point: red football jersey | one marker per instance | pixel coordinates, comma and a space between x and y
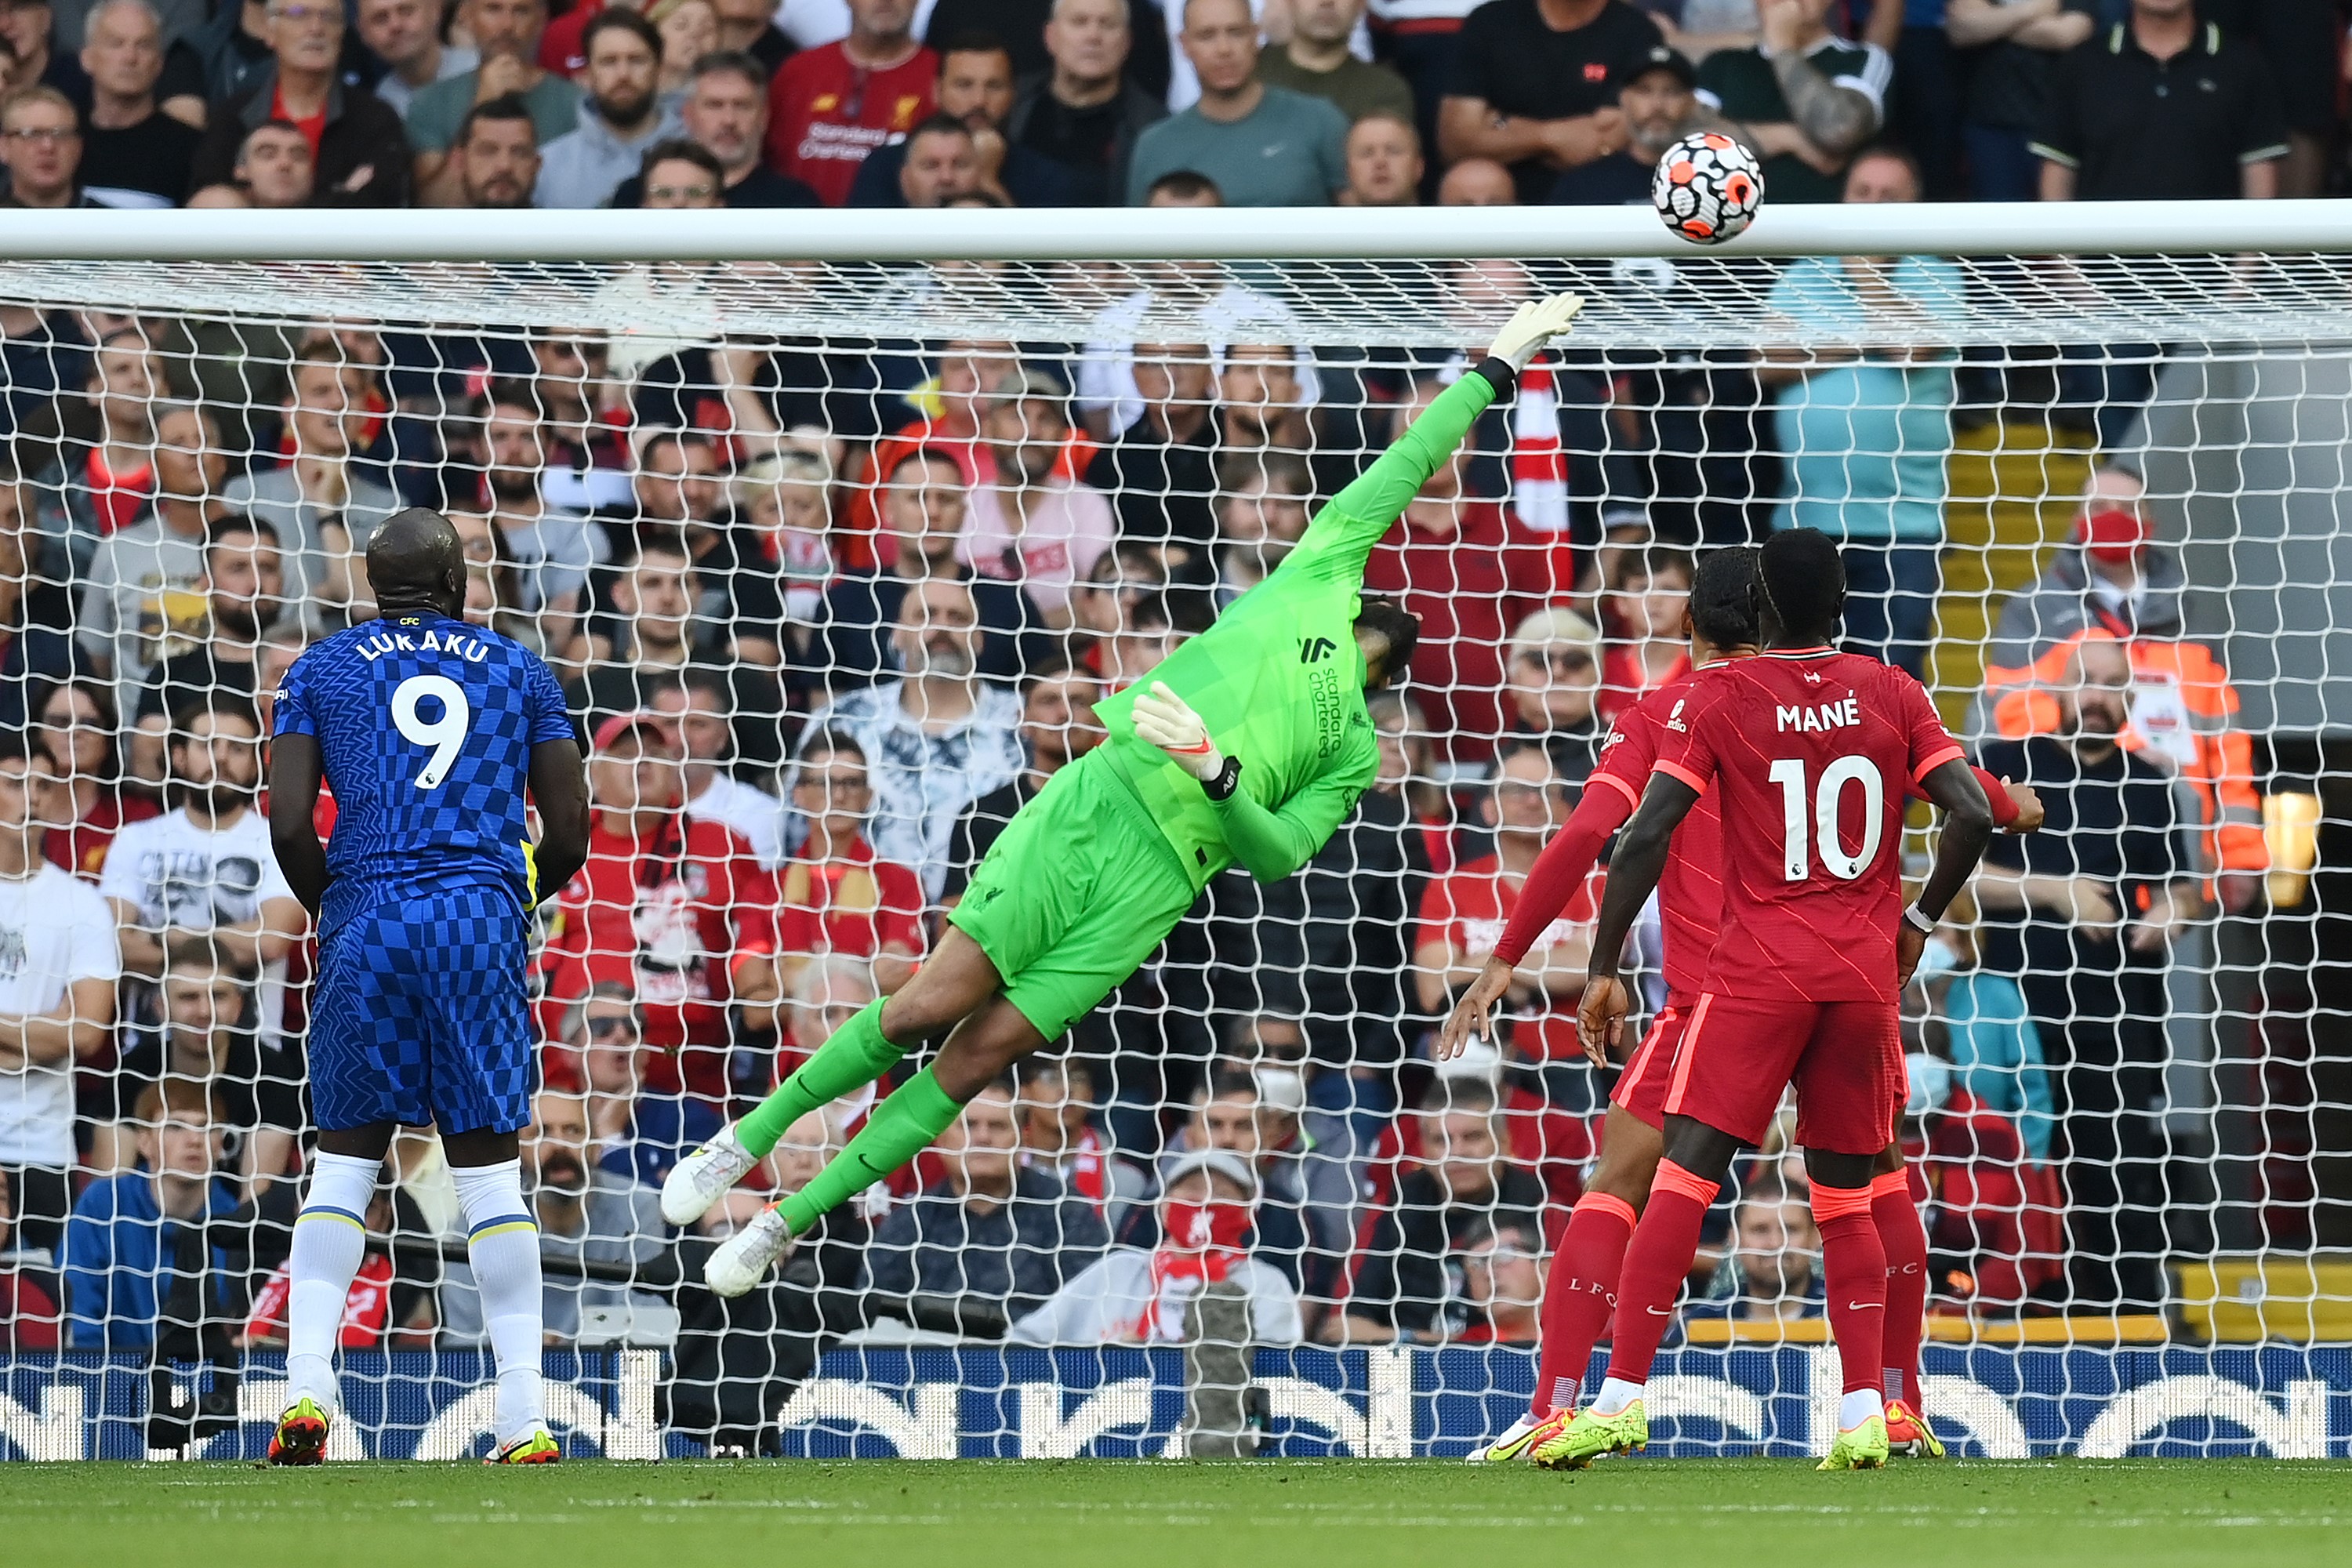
1690, 889
1811, 753
1469, 588
1468, 908
826, 112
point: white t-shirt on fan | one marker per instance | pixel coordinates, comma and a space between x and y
176, 874
54, 930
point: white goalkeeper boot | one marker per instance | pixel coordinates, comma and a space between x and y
743, 1259
705, 1176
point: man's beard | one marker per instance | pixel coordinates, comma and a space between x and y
502, 194
948, 661
620, 111
238, 622
1648, 145
514, 484
222, 796
1013, 467
561, 1172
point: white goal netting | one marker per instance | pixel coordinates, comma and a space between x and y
834, 559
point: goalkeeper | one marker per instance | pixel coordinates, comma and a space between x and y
1249, 744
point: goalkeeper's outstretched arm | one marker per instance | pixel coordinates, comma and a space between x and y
1346, 530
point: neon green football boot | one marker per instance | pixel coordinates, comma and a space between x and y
534, 1448
1518, 1439
1591, 1435
301, 1434
1862, 1448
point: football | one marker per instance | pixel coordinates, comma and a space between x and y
1707, 187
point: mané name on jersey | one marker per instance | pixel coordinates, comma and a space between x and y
1812, 753
426, 727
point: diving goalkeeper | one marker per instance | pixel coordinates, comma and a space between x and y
1249, 744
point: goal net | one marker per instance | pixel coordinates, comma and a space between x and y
834, 553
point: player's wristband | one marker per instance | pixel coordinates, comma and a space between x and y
1228, 779
1499, 375
1919, 919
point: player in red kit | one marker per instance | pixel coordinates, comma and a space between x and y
1582, 1288
1583, 1284
1810, 753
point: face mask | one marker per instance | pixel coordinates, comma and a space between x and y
1931, 1084
2113, 535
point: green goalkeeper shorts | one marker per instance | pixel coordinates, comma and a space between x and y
1074, 896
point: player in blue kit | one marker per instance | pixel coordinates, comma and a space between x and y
429, 730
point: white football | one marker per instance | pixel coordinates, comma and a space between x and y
1707, 187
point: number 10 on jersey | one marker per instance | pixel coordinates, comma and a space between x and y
445, 735
1799, 828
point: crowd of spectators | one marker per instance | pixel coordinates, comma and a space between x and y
939, 104
827, 614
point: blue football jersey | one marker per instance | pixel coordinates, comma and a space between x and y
425, 726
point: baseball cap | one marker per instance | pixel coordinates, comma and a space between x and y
1662, 58
2112, 533
1217, 1161
608, 733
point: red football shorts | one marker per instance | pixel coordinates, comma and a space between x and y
1846, 1057
1642, 1086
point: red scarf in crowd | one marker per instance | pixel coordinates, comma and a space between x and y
1199, 1245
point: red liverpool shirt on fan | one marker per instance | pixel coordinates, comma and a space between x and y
826, 112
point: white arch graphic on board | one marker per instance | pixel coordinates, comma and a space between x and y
1311, 1405
2298, 1432
1047, 1434
1964, 1402
926, 1429
1683, 1398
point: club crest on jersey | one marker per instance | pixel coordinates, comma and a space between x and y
1815, 717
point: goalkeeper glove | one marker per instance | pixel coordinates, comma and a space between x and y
1164, 720
1537, 323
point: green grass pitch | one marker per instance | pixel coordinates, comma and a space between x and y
1752, 1513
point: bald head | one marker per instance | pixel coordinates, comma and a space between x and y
416, 561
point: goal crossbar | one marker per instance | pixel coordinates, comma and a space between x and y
1137, 234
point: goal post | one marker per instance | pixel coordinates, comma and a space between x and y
707, 461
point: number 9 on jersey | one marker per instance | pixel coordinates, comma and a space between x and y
445, 735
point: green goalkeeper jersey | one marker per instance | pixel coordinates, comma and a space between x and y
1279, 681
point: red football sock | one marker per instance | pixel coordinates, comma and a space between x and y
1904, 1240
1577, 1296
1855, 1270
1655, 1262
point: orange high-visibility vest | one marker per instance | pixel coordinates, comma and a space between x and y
2214, 759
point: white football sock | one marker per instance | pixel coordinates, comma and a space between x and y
1615, 1394
329, 1241
502, 1244
1858, 1407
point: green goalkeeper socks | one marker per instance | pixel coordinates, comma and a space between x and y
901, 1127
854, 1057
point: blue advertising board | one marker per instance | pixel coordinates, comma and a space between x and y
1390, 1401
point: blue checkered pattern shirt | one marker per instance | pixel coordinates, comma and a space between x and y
425, 726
